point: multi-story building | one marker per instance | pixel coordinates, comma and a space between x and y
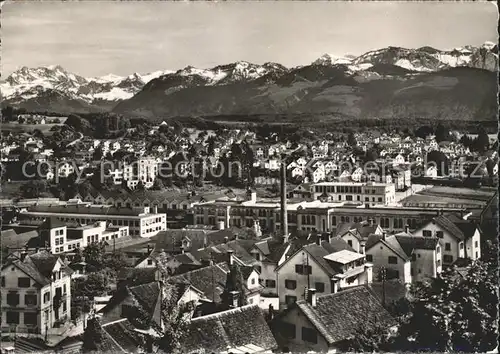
458, 238
326, 266
36, 294
141, 221
371, 193
311, 215
404, 256
144, 169
58, 237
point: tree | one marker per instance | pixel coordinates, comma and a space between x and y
482, 142
455, 312
140, 186
98, 154
94, 338
423, 132
442, 134
8, 114
441, 161
158, 185
176, 322
94, 255
95, 284
351, 139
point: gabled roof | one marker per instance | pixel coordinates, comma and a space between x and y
38, 266
122, 336
454, 229
243, 327
209, 280
411, 243
9, 238
338, 316
390, 242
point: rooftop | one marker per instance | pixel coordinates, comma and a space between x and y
344, 256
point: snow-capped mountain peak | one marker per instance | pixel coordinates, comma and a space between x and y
328, 59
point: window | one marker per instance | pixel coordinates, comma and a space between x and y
440, 234
30, 318
349, 242
150, 261
288, 330
3, 282
369, 258
438, 249
30, 299
64, 306
270, 283
12, 317
290, 284
309, 335
461, 245
252, 281
392, 260
289, 299
413, 257
447, 246
23, 282
438, 262
257, 256
447, 258
320, 287
303, 269
476, 244
46, 297
13, 299
427, 233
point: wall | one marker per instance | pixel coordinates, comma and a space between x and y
473, 251
354, 241
296, 344
287, 271
447, 237
425, 264
11, 275
380, 254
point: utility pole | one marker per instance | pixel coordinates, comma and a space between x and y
383, 272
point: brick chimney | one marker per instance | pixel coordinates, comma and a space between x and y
230, 257
311, 297
234, 297
384, 235
407, 228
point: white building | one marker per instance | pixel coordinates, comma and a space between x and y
36, 294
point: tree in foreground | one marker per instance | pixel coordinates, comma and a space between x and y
94, 338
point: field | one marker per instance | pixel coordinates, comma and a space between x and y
28, 128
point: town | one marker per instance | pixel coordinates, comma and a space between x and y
192, 177
241, 240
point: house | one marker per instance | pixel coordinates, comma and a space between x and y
458, 238
325, 323
404, 256
238, 330
388, 257
37, 290
356, 234
326, 265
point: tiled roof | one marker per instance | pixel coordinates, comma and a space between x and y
410, 243
449, 226
9, 238
123, 336
338, 316
230, 329
171, 240
136, 276
209, 280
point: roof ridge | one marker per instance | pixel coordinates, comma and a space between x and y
220, 314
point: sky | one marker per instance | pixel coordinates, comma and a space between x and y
98, 38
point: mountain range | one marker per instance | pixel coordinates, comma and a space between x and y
390, 82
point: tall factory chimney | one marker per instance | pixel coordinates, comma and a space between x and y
284, 215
